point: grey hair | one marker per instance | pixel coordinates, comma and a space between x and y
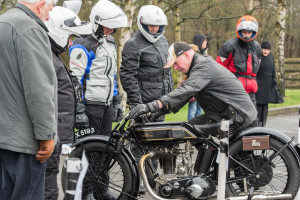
48, 2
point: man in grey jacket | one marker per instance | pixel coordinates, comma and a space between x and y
219, 93
28, 101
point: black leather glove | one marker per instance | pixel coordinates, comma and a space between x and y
155, 116
143, 109
118, 112
82, 120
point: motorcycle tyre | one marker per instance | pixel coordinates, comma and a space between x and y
98, 146
292, 186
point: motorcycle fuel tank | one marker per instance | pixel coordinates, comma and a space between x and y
163, 131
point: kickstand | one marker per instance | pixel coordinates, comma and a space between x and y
251, 193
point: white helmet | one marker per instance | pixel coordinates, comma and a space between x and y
107, 14
151, 15
63, 23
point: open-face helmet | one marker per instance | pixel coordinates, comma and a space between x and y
151, 15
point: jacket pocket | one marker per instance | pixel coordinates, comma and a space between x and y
151, 91
65, 127
152, 85
97, 90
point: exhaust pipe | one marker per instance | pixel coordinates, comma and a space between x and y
145, 179
262, 197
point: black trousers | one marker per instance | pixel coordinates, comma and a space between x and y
100, 117
253, 98
52, 169
262, 110
21, 176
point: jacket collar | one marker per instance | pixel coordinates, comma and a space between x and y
32, 15
193, 63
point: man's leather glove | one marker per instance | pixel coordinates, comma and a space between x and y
118, 113
81, 121
45, 151
155, 116
143, 109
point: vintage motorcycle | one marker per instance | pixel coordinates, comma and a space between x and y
262, 163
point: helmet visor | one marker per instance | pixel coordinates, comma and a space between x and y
247, 25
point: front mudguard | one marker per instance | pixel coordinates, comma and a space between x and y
129, 157
272, 133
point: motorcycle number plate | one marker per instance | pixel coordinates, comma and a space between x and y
256, 142
80, 133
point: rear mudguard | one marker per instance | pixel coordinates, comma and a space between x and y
129, 157
273, 133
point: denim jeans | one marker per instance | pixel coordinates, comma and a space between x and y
21, 176
194, 110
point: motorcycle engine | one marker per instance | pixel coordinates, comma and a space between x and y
195, 187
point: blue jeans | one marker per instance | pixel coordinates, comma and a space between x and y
194, 110
21, 176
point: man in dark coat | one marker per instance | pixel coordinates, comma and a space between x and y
70, 106
266, 81
216, 89
142, 74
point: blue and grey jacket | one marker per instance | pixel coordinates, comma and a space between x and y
93, 62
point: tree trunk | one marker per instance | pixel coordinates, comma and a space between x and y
177, 32
124, 35
250, 5
279, 41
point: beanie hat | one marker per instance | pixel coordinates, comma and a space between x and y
266, 45
199, 39
175, 50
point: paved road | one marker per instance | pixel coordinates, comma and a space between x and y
287, 124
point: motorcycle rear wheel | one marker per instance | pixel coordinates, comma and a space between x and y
281, 176
117, 175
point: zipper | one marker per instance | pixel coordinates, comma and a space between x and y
107, 72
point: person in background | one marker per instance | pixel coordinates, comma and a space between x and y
143, 58
142, 74
63, 24
93, 62
28, 101
267, 83
241, 55
201, 42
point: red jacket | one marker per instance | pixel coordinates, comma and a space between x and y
243, 60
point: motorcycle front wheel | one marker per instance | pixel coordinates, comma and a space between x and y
104, 180
280, 175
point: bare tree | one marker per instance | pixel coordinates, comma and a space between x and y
125, 33
279, 41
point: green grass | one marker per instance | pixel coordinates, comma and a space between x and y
292, 98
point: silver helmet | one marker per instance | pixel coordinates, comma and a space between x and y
151, 15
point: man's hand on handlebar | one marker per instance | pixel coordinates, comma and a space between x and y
143, 109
